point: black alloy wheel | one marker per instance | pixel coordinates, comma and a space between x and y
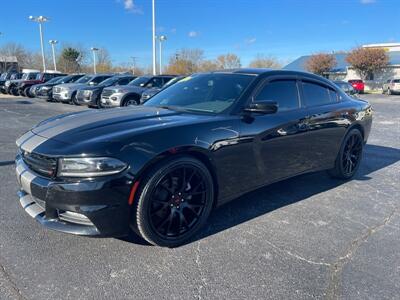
73, 99
350, 155
27, 92
14, 91
174, 200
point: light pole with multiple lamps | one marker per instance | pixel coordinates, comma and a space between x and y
162, 38
53, 43
94, 49
40, 20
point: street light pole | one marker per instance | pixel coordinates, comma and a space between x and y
161, 39
52, 43
154, 37
94, 58
134, 64
40, 20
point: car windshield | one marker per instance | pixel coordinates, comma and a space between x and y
109, 81
38, 76
139, 81
84, 79
396, 81
209, 93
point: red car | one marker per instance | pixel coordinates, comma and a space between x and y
358, 85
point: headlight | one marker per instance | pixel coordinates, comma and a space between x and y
7, 83
45, 88
89, 167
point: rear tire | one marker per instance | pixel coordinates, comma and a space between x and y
14, 91
349, 156
173, 201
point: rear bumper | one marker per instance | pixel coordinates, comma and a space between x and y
86, 207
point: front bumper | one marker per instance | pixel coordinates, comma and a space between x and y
90, 100
44, 94
89, 207
114, 100
63, 96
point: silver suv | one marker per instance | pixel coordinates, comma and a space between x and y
66, 92
392, 86
131, 93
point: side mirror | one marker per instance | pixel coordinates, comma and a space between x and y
262, 107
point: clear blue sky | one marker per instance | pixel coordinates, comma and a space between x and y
285, 29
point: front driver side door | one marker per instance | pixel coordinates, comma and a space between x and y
276, 142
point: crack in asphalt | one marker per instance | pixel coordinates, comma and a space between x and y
337, 267
11, 282
203, 280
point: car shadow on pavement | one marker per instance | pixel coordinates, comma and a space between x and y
287, 192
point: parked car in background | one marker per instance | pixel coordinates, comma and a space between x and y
36, 87
160, 168
11, 86
8, 76
90, 95
131, 93
392, 86
147, 94
24, 85
66, 93
358, 85
346, 87
45, 90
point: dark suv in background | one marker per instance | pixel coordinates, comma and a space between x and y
45, 90
8, 76
25, 85
66, 93
131, 93
11, 86
90, 95
146, 95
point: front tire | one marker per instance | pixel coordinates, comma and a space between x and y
174, 200
74, 100
27, 92
349, 156
131, 101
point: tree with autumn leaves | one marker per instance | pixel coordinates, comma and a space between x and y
367, 61
320, 63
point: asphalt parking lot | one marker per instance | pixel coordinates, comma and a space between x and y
307, 237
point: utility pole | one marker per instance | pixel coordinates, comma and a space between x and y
94, 50
133, 64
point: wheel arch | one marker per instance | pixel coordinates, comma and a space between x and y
135, 96
194, 152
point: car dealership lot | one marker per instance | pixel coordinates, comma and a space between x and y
309, 236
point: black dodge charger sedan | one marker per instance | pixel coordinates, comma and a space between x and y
159, 169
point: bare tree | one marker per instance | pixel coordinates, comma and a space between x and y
185, 61
228, 61
262, 61
366, 61
320, 63
13, 49
208, 65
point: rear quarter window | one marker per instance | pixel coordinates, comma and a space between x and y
317, 94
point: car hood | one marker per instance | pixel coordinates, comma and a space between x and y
110, 125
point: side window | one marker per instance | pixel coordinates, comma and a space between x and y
165, 80
155, 82
47, 76
334, 95
284, 92
316, 94
99, 79
124, 81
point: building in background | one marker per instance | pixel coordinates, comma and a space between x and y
8, 63
343, 70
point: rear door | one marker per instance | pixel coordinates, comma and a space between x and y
326, 123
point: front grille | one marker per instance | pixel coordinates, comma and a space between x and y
106, 93
57, 90
45, 166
